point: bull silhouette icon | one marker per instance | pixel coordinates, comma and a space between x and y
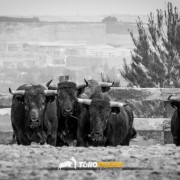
68, 164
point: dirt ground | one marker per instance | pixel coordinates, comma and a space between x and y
41, 162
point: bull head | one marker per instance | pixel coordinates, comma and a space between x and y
67, 92
99, 112
174, 101
34, 103
93, 86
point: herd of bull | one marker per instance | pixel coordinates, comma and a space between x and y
75, 114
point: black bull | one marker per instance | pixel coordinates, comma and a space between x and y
67, 113
104, 123
68, 109
33, 115
175, 120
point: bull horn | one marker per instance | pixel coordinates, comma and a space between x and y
86, 82
52, 87
173, 98
106, 84
117, 104
48, 83
17, 92
50, 92
84, 101
80, 85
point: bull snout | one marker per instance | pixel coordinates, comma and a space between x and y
34, 122
68, 112
97, 139
97, 136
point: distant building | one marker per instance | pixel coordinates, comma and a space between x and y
106, 51
82, 61
13, 54
14, 60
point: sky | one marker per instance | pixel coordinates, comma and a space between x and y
81, 7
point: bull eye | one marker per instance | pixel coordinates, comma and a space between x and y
43, 106
26, 106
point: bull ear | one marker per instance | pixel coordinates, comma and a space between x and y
175, 104
174, 101
50, 95
84, 103
116, 106
115, 110
79, 91
81, 86
106, 86
19, 98
105, 89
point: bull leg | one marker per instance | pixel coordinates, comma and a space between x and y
42, 137
22, 139
126, 140
15, 134
81, 141
20, 136
60, 140
131, 135
51, 139
176, 141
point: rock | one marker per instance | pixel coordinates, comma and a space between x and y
4, 176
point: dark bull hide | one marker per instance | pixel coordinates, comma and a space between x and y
68, 109
104, 123
33, 114
175, 120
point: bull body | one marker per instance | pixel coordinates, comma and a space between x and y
68, 108
175, 120
175, 127
33, 116
103, 125
67, 113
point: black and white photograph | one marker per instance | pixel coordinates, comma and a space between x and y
90, 89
